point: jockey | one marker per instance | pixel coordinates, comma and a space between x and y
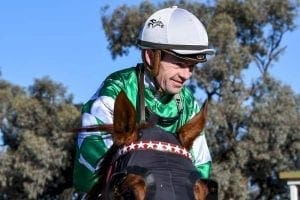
173, 41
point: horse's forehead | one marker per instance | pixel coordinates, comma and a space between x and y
156, 133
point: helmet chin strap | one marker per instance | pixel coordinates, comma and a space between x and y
153, 68
156, 61
155, 58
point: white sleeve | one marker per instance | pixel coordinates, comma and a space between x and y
101, 109
200, 150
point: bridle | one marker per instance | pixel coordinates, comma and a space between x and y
155, 146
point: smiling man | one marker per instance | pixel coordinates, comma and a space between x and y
173, 41
173, 73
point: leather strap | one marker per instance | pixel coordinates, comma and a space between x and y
141, 89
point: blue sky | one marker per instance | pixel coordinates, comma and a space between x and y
64, 40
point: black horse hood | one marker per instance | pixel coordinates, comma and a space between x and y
173, 174
158, 134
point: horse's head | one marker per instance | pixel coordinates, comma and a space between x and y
126, 128
127, 172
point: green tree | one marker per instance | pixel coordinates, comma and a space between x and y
253, 132
36, 124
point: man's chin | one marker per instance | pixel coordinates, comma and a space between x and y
174, 90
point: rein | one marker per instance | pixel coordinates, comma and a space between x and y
141, 88
108, 128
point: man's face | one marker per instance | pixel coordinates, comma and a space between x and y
173, 73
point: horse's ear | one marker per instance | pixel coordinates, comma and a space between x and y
124, 121
188, 133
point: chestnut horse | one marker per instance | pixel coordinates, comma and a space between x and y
146, 162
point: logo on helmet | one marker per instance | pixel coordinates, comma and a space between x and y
154, 23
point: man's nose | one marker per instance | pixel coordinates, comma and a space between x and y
186, 72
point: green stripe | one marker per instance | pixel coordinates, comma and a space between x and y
86, 108
83, 179
92, 149
204, 170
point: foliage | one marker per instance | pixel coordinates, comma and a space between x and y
253, 132
36, 125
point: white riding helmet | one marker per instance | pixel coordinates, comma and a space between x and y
176, 30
